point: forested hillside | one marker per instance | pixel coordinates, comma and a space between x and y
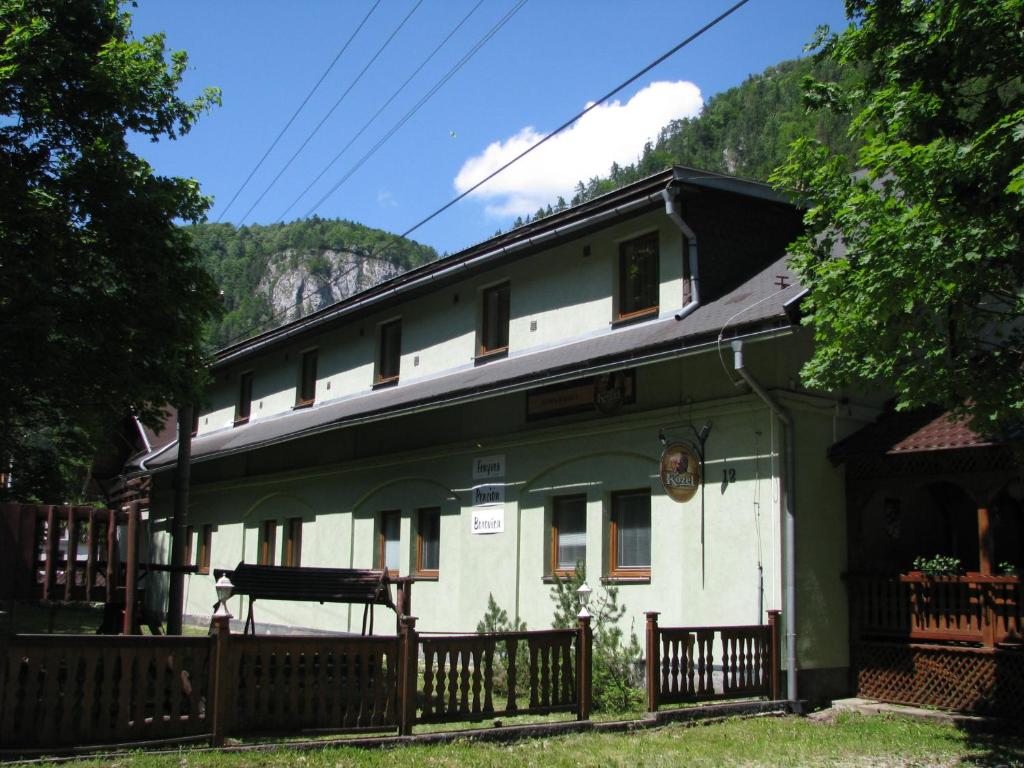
276, 273
744, 131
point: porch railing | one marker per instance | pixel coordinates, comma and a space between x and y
686, 664
982, 610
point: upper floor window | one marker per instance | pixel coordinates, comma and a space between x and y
568, 534
306, 392
630, 534
389, 541
428, 542
390, 355
638, 277
244, 407
495, 320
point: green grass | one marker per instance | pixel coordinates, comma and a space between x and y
850, 740
74, 619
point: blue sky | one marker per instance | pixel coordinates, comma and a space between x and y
545, 64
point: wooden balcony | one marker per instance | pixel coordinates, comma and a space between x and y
978, 610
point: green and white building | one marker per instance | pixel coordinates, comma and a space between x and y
485, 421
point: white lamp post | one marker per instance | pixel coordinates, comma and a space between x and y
583, 593
224, 588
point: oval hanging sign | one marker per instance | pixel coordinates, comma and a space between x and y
680, 471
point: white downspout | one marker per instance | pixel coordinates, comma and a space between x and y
672, 210
789, 529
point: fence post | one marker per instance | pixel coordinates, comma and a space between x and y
408, 657
652, 661
584, 667
775, 655
219, 678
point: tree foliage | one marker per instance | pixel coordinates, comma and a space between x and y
102, 296
241, 258
915, 263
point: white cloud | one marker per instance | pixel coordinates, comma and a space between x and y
613, 132
386, 199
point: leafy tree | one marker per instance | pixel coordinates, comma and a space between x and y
102, 297
916, 264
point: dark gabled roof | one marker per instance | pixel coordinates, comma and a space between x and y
543, 233
756, 305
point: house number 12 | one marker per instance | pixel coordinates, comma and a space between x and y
728, 476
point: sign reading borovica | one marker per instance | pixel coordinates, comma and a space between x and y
680, 471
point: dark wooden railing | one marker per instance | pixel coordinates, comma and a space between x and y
290, 684
682, 662
983, 610
462, 680
63, 690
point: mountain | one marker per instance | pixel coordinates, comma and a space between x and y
744, 131
280, 272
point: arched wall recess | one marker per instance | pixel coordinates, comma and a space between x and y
650, 464
449, 494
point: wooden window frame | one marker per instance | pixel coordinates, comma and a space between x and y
487, 296
382, 543
291, 556
614, 570
556, 570
243, 408
305, 392
205, 548
189, 533
267, 543
380, 378
623, 315
420, 515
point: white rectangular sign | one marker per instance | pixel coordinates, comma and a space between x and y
489, 467
488, 520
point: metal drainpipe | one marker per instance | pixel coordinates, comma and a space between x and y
672, 210
789, 530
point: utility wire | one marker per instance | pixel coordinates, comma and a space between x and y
296, 112
283, 313
408, 115
672, 51
330, 112
386, 104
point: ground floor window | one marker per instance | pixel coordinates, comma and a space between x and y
205, 547
428, 541
292, 555
630, 534
268, 543
388, 541
189, 533
568, 534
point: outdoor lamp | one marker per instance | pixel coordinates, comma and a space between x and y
583, 593
224, 588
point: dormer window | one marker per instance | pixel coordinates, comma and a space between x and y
638, 277
244, 407
494, 320
390, 353
306, 393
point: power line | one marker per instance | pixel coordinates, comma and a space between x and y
465, 58
408, 115
386, 104
671, 52
330, 112
296, 112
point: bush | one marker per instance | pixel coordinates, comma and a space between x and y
496, 620
615, 663
939, 565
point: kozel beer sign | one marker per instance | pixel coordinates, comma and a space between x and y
680, 471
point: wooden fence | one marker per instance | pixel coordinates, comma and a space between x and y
681, 662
